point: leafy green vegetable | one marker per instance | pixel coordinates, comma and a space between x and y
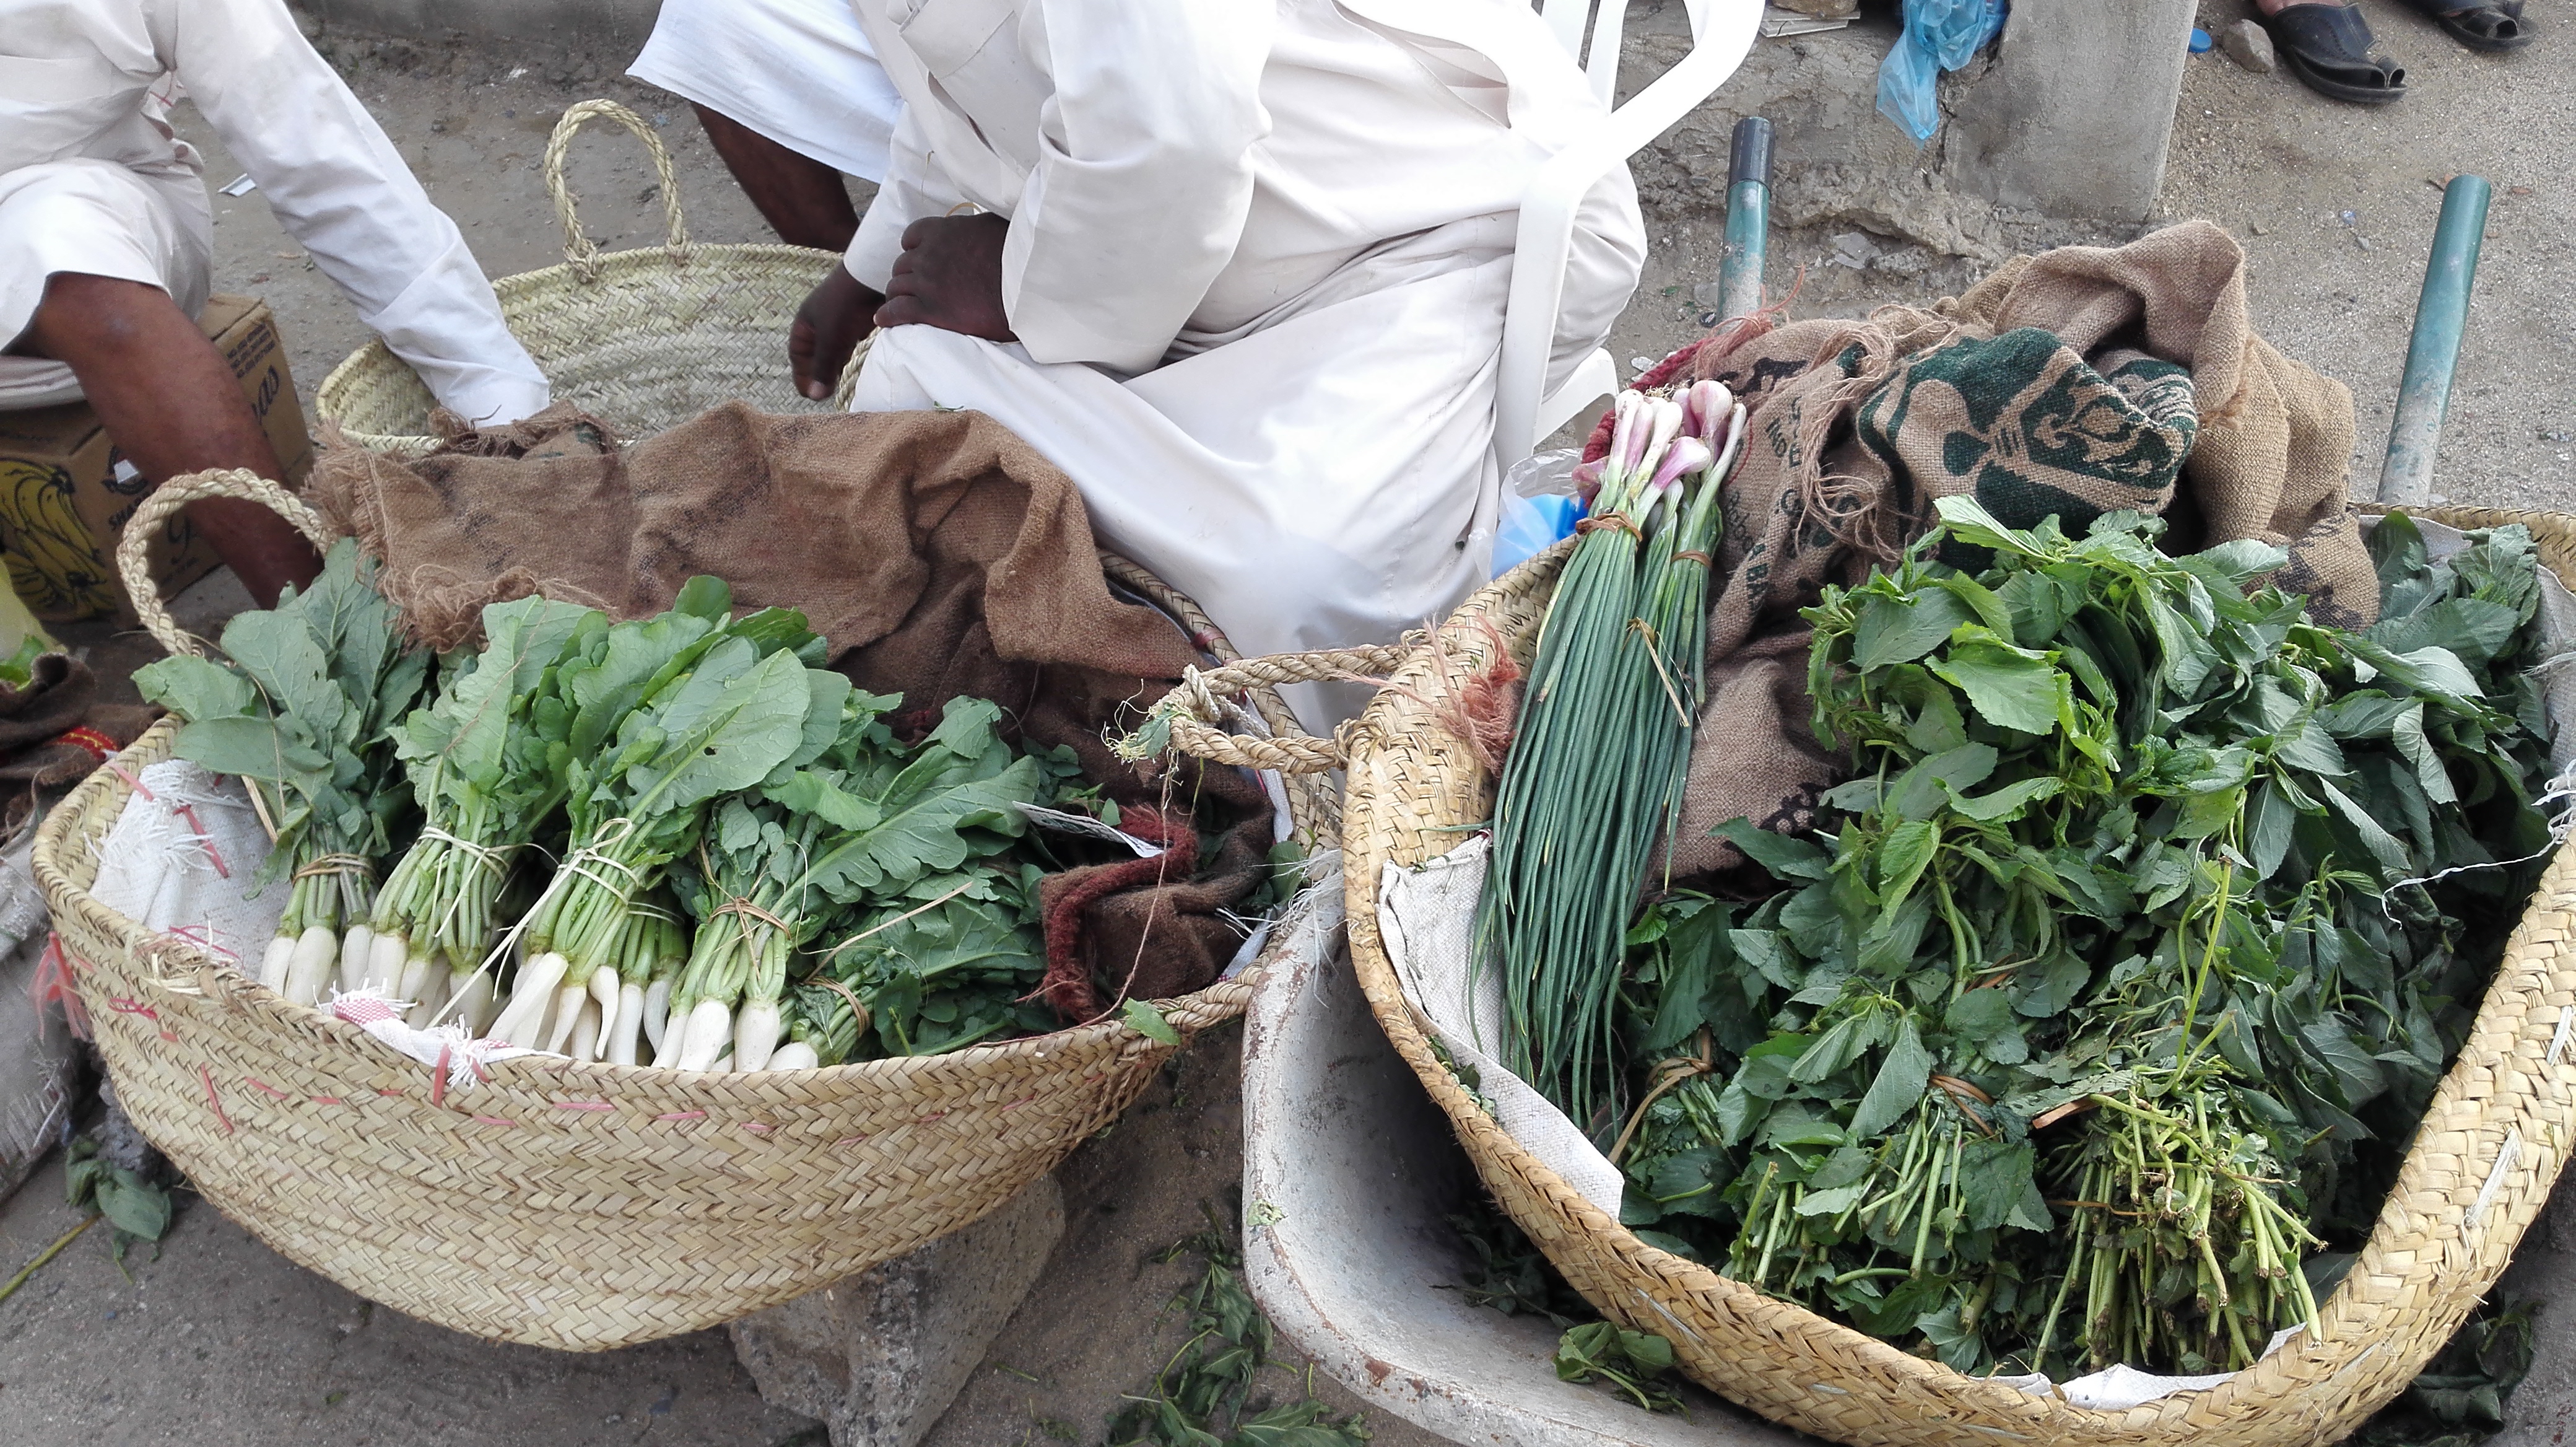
302, 712
1204, 1398
2127, 977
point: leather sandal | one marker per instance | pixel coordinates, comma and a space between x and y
2328, 48
2480, 24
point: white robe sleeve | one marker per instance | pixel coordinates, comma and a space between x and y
912, 189
341, 189
1144, 175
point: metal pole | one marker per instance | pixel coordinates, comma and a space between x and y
2441, 313
1748, 220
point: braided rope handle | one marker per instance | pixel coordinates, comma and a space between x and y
134, 565
1194, 720
579, 249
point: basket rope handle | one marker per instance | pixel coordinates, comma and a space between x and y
1196, 709
134, 564
579, 249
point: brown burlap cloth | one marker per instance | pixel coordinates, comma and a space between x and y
937, 552
2071, 384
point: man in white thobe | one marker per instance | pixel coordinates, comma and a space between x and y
792, 98
1240, 271
107, 240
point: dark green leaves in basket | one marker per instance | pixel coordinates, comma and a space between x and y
2125, 976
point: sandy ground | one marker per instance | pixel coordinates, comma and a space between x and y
219, 1342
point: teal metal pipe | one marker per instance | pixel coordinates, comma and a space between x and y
1748, 220
2441, 314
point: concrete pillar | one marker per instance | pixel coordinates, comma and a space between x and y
2073, 117
879, 1356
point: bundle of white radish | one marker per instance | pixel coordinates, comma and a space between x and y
649, 959
703, 707
827, 845
302, 711
483, 766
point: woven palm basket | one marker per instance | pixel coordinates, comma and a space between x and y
2479, 1171
579, 1206
639, 339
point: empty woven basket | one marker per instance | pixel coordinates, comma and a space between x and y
640, 339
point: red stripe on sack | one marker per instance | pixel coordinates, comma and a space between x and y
396, 1094
196, 935
98, 744
683, 1115
584, 1105
1023, 1100
212, 1099
757, 1127
205, 840
927, 1119
326, 1100
53, 983
438, 1077
255, 1083
849, 1140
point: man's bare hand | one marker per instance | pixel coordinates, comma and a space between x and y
950, 276
828, 327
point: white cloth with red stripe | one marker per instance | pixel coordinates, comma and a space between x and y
181, 858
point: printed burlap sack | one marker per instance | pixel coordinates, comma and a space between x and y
2079, 382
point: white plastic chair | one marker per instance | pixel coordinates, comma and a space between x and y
1722, 32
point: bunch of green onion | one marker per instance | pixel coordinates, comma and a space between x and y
1595, 774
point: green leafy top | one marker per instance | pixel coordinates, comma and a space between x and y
478, 748
2133, 855
303, 710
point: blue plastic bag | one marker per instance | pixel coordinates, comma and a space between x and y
1939, 35
1532, 525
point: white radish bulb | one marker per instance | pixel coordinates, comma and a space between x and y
274, 965
386, 957
795, 1055
569, 998
604, 991
418, 976
628, 1025
315, 955
476, 1004
355, 948
431, 999
755, 1035
535, 990
657, 1010
708, 1030
585, 1032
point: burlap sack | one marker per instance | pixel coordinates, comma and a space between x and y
938, 553
2071, 384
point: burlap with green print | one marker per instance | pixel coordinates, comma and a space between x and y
2080, 382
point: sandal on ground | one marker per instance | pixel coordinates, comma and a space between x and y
2328, 48
2480, 24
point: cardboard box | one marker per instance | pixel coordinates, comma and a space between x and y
66, 492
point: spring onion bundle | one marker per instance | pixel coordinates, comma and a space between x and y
1595, 774
301, 712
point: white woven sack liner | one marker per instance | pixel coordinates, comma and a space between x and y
1428, 918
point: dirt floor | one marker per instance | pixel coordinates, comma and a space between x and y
219, 1342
